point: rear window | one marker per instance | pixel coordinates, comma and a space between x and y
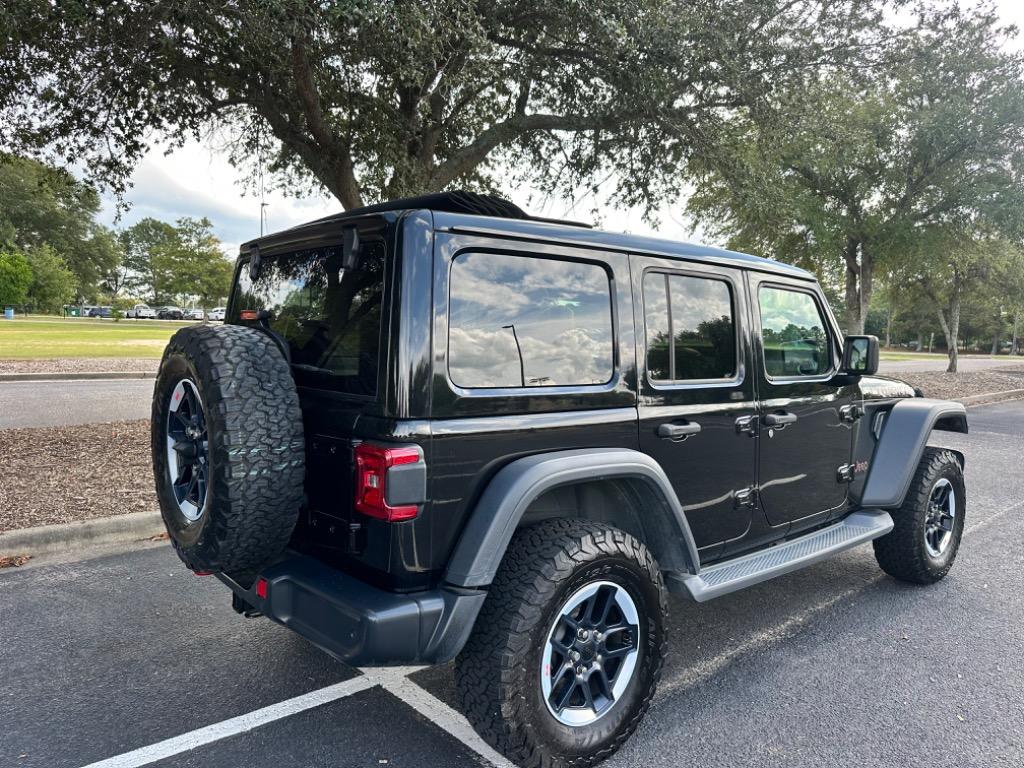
330, 317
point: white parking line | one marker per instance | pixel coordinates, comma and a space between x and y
236, 725
704, 671
396, 681
443, 716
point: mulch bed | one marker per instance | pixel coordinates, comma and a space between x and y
952, 386
80, 365
63, 474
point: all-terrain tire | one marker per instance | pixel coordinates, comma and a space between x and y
498, 673
903, 553
255, 448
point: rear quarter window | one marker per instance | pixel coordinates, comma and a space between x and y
528, 321
329, 316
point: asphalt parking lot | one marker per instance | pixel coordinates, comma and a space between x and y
126, 660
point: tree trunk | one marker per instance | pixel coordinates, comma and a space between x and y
1013, 343
995, 342
888, 328
858, 284
951, 325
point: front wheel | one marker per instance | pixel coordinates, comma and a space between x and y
569, 645
929, 525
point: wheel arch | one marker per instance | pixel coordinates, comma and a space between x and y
901, 444
622, 487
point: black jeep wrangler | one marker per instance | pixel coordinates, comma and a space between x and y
442, 429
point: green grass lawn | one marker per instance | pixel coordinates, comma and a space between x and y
48, 337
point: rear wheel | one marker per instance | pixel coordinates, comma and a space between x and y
929, 525
228, 448
568, 648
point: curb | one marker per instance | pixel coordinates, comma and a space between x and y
79, 376
106, 530
992, 397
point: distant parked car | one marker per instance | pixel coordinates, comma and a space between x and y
140, 311
195, 313
169, 313
218, 313
100, 312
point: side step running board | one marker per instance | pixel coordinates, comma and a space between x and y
723, 578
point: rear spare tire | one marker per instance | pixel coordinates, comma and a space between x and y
228, 448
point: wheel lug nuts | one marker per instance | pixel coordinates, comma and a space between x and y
579, 671
575, 655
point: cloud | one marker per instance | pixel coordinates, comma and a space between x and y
193, 181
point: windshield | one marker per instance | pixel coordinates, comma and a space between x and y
329, 316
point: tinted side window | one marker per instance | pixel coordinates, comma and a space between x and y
329, 316
691, 331
521, 321
793, 334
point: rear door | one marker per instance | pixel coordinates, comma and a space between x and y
805, 434
696, 395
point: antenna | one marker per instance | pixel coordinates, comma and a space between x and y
259, 174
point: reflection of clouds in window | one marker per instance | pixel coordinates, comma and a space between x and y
560, 312
701, 320
793, 333
781, 309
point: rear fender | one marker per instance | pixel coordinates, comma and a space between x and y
507, 497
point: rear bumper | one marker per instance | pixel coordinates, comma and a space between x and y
358, 623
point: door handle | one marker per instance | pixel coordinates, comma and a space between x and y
779, 419
678, 431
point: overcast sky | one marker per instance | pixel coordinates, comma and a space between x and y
195, 181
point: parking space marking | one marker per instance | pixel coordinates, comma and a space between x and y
699, 673
396, 681
235, 725
443, 716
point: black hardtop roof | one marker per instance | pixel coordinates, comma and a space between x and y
489, 215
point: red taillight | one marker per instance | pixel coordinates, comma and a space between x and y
372, 465
249, 314
261, 588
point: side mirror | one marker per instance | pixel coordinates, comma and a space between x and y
860, 355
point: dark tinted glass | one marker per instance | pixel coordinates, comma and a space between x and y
793, 334
696, 314
329, 316
523, 321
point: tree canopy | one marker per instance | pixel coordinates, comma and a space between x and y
855, 168
165, 262
45, 206
375, 99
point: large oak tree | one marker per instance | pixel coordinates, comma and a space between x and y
373, 99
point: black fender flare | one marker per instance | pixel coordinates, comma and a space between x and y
901, 445
496, 516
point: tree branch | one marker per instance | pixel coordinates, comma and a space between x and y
343, 184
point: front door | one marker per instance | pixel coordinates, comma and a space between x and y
696, 392
806, 433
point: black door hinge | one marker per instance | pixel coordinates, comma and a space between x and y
845, 473
746, 497
850, 413
747, 425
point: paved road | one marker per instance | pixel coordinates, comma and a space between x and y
53, 403
836, 665
940, 363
